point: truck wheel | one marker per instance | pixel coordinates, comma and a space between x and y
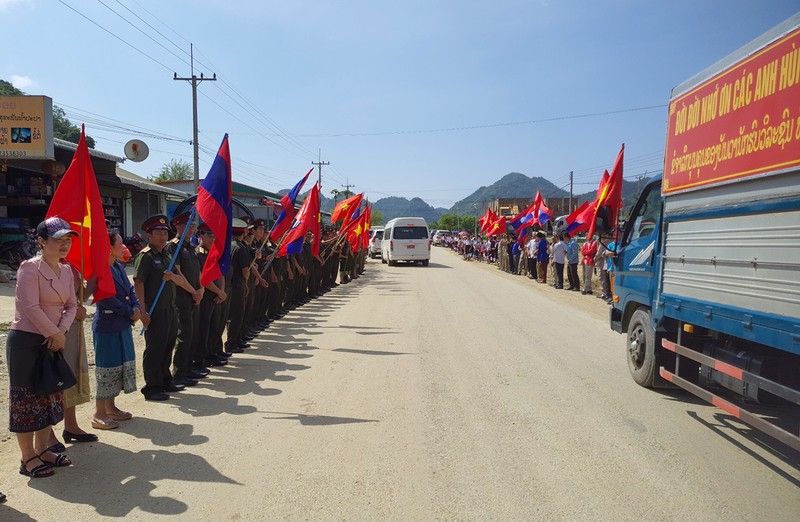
425, 262
642, 357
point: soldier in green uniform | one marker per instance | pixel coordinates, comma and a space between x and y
187, 301
211, 304
161, 331
240, 268
257, 304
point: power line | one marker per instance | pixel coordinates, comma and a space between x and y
115, 36
141, 31
482, 126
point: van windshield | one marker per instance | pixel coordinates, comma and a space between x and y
410, 233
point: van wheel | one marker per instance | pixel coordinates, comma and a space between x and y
425, 262
372, 255
391, 262
643, 354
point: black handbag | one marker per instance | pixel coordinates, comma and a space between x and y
53, 374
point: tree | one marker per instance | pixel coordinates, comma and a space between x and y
343, 193
62, 127
175, 170
448, 222
376, 217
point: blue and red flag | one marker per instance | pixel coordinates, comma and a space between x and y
544, 214
284, 221
576, 222
524, 219
307, 219
214, 198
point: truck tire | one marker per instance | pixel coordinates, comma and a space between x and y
425, 262
642, 350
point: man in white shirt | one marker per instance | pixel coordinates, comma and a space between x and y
532, 247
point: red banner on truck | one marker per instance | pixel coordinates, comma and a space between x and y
742, 122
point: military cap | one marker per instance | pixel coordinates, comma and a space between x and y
183, 217
157, 222
203, 228
257, 223
238, 226
246, 219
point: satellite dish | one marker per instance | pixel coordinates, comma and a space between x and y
136, 150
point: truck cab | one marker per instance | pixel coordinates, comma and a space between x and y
636, 266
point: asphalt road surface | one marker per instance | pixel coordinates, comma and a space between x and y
451, 392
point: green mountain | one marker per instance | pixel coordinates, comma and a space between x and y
513, 185
393, 207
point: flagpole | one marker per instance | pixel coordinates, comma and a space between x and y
171, 264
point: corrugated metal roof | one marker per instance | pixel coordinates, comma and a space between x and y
68, 145
131, 179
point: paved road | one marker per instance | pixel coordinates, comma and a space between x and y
449, 392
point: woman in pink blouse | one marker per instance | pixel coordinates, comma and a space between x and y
45, 309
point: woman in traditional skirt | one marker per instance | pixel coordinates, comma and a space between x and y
45, 309
115, 366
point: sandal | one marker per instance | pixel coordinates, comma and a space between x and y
120, 415
41, 471
60, 462
100, 424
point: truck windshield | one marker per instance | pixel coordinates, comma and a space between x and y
643, 223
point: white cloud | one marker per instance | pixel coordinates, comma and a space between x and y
21, 82
5, 4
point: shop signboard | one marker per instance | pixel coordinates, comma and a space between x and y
26, 127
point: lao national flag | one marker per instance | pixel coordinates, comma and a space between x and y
284, 221
77, 201
575, 221
214, 198
525, 218
544, 214
307, 219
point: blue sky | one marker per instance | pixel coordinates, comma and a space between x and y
409, 98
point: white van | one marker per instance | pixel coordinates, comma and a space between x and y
375, 238
406, 239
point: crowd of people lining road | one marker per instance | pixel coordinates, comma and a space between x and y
189, 328
535, 256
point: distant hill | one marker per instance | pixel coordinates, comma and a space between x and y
393, 207
513, 185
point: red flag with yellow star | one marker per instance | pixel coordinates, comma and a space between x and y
77, 201
344, 209
500, 226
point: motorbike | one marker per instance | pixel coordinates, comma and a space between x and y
13, 253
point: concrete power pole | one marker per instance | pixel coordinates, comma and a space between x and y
348, 185
319, 163
570, 192
195, 81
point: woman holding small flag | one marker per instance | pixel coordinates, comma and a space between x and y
115, 359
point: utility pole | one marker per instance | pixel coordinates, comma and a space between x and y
195, 81
570, 192
347, 187
319, 163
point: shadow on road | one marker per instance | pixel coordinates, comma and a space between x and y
315, 420
116, 481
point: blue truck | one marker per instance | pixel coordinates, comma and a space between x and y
706, 279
